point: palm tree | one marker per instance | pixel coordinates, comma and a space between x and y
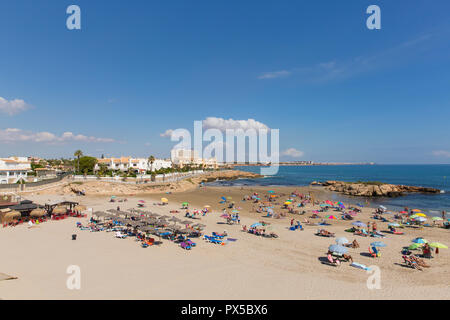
151, 159
78, 154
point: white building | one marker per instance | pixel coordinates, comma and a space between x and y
14, 169
140, 165
182, 157
160, 164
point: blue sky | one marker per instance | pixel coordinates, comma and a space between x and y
336, 90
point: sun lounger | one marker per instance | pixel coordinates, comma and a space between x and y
120, 235
185, 246
190, 242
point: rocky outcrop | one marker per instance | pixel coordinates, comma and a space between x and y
227, 175
376, 189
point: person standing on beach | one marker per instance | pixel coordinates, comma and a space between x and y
443, 214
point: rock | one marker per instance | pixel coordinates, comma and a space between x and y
375, 189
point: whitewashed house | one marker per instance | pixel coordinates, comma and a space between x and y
183, 157
141, 165
14, 169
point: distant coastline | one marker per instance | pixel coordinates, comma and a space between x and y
302, 163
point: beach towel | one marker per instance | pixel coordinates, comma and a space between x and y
359, 266
231, 239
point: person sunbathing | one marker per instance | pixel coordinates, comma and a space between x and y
354, 244
306, 221
347, 257
324, 233
332, 260
419, 261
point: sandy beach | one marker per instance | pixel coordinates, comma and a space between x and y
253, 267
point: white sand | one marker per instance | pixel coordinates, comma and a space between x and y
250, 268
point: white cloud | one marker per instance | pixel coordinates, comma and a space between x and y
223, 124
441, 153
12, 107
292, 152
17, 135
167, 133
275, 74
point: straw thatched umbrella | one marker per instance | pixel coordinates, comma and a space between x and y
59, 210
11, 216
80, 208
37, 213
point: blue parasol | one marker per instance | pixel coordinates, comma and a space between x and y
337, 249
359, 224
341, 240
378, 244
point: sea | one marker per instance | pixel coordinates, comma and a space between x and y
434, 176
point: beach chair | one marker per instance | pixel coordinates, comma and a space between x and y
185, 246
120, 235
374, 252
191, 243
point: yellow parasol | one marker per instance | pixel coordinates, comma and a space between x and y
164, 200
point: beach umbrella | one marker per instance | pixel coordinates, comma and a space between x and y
235, 211
420, 240
59, 210
207, 206
258, 224
229, 198
185, 204
141, 201
338, 249
330, 216
79, 208
416, 210
11, 216
378, 244
420, 219
223, 198
437, 219
287, 203
224, 216
342, 240
438, 245
164, 200
113, 197
359, 224
271, 191
414, 246
360, 205
403, 212
341, 205
420, 214
37, 213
